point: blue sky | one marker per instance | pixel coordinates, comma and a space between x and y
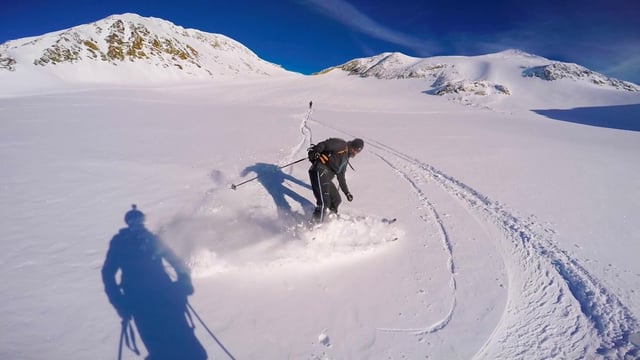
310, 35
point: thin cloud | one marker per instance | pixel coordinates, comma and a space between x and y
350, 16
626, 69
606, 49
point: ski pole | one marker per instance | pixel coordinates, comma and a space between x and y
210, 333
122, 334
235, 186
129, 338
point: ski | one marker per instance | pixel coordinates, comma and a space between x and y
313, 226
384, 220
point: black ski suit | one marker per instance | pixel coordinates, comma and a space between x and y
333, 162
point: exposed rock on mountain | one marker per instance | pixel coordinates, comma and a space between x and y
475, 75
481, 88
393, 66
129, 39
7, 63
576, 72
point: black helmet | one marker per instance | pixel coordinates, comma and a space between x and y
134, 216
356, 144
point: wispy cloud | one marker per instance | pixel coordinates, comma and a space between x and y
627, 68
603, 48
347, 14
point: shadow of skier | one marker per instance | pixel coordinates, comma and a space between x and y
273, 180
147, 294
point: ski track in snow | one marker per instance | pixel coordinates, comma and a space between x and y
540, 273
288, 239
431, 211
305, 141
586, 319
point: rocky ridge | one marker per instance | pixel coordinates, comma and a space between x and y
448, 75
129, 38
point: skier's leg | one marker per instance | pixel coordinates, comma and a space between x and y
314, 177
334, 195
316, 185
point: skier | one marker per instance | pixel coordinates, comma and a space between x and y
330, 158
146, 292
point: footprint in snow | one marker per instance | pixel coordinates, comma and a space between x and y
324, 339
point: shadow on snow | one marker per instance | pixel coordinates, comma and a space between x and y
274, 181
145, 281
621, 117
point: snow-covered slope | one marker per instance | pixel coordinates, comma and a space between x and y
517, 227
129, 48
517, 234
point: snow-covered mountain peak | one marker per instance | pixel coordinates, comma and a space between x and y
142, 49
560, 70
517, 53
495, 75
387, 65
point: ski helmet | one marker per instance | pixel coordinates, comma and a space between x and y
356, 144
134, 216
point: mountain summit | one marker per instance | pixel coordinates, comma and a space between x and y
142, 48
476, 74
131, 49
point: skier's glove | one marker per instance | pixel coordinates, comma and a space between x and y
313, 154
349, 196
122, 307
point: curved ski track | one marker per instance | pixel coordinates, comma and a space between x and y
305, 141
554, 308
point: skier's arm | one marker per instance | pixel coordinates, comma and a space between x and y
320, 147
343, 182
111, 288
109, 270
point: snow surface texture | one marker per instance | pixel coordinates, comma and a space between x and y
517, 231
